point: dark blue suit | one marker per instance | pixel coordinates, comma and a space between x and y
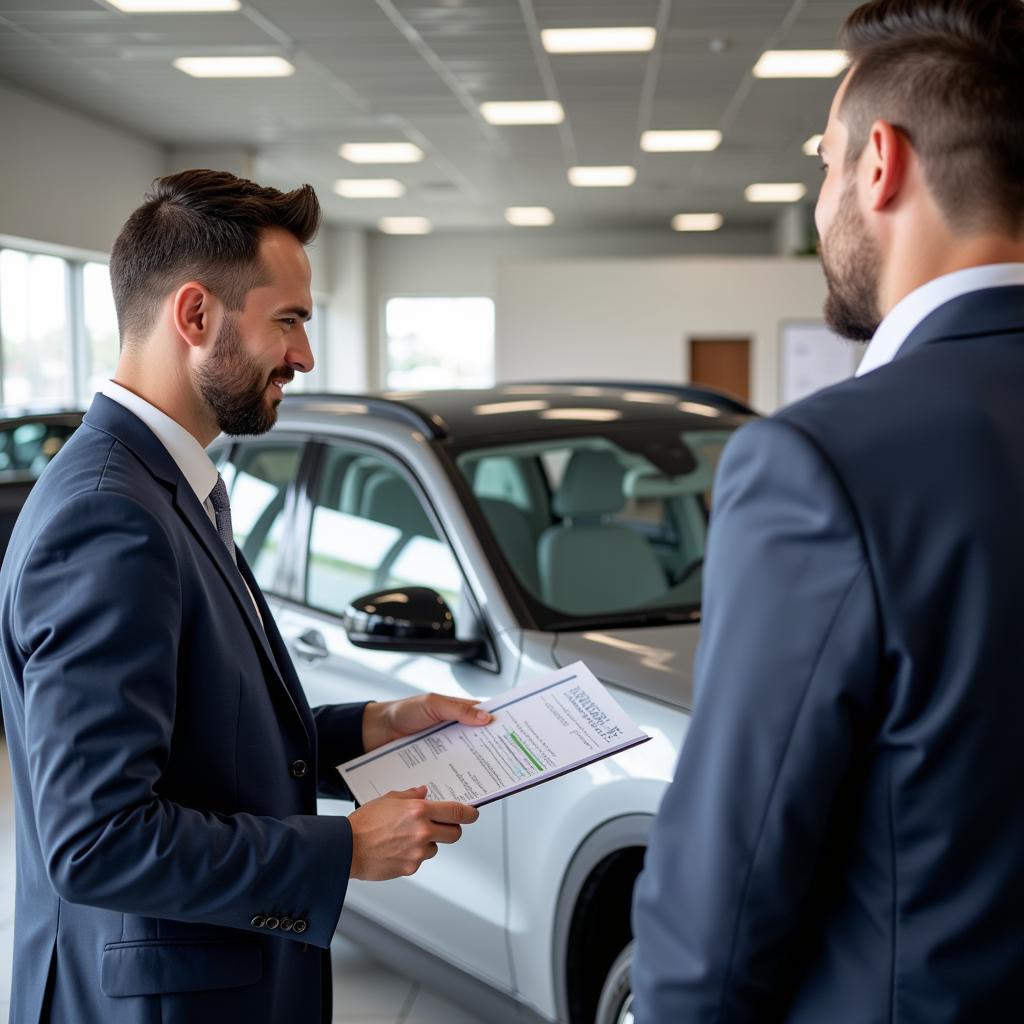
153, 727
843, 842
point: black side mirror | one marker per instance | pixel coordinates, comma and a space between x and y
410, 620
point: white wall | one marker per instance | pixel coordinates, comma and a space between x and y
67, 179
631, 318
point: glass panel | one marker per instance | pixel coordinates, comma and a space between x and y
439, 343
100, 326
26, 448
258, 480
371, 531
34, 328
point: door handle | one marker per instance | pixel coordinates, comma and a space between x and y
310, 646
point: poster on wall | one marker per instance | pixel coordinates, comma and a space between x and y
812, 357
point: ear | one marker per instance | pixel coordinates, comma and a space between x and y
884, 164
192, 308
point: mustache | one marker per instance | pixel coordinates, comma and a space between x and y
285, 373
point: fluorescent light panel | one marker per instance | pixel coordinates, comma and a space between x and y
812, 144
602, 177
527, 112
697, 221
599, 40
381, 153
775, 192
800, 64
174, 6
235, 67
405, 225
369, 188
529, 216
689, 141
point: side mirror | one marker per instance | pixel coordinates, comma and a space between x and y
407, 620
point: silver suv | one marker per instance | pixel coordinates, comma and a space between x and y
555, 522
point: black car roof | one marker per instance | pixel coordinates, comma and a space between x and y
464, 414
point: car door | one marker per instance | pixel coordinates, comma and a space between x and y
367, 525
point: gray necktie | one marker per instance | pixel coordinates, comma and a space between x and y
222, 510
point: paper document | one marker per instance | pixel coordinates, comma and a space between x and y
560, 723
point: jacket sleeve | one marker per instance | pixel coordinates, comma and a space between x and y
97, 616
786, 675
339, 737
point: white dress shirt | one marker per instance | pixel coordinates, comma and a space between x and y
911, 310
187, 452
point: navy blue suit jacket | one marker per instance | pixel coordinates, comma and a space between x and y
152, 723
843, 842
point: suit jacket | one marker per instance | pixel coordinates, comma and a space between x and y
165, 761
843, 841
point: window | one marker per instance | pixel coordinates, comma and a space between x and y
258, 480
101, 339
34, 328
370, 531
28, 445
439, 343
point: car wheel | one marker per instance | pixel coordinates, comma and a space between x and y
616, 1003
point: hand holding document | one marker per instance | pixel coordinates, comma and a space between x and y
562, 722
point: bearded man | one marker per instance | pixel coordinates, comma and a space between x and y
843, 838
170, 862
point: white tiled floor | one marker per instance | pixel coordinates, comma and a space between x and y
365, 990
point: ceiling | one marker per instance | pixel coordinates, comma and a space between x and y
397, 70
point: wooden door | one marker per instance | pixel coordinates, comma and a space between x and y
723, 364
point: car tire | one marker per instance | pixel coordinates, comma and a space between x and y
616, 1003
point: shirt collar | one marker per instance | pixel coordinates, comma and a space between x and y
911, 310
187, 452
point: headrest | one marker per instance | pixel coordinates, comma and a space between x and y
388, 499
592, 486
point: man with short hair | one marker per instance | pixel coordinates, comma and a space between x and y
166, 766
843, 840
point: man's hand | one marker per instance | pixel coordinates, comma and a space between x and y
390, 720
394, 834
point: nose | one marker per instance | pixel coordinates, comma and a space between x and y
300, 354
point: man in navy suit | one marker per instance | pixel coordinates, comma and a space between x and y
170, 863
843, 842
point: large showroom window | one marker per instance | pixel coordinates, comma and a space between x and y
439, 343
101, 342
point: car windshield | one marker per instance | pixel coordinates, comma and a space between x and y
600, 530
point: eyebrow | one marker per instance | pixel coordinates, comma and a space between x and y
300, 311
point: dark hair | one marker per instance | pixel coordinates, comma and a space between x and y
205, 226
949, 74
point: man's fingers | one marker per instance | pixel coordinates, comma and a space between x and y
445, 833
462, 709
416, 793
449, 812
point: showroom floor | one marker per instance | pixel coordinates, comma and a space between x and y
365, 991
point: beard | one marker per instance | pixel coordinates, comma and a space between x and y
234, 385
851, 260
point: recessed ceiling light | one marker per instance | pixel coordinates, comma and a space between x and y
381, 153
528, 112
405, 225
235, 67
697, 221
800, 64
602, 177
680, 141
775, 192
369, 188
599, 40
174, 6
812, 144
529, 216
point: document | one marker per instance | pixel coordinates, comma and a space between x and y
561, 722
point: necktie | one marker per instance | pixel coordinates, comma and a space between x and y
222, 511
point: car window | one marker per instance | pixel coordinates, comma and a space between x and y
369, 531
258, 479
27, 446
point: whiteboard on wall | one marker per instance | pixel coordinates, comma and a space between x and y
813, 357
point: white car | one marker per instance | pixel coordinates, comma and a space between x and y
558, 523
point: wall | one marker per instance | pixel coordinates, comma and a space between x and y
630, 318
67, 179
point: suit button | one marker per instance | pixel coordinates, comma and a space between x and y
298, 769
299, 926
258, 921
272, 922
286, 924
